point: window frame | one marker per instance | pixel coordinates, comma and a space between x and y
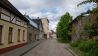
10, 36
1, 32
23, 35
18, 35
0, 11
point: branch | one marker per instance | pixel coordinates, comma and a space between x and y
85, 2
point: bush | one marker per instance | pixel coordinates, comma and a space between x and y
75, 44
89, 48
94, 50
85, 46
62, 40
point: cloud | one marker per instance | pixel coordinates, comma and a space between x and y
52, 9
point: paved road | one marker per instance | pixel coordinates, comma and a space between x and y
49, 48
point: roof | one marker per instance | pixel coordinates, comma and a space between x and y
31, 21
6, 4
38, 21
77, 18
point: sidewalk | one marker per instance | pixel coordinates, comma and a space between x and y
22, 50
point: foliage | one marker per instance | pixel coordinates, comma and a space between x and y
94, 50
85, 46
95, 9
75, 44
97, 17
91, 28
73, 31
88, 47
88, 28
88, 1
62, 28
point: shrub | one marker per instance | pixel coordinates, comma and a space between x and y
94, 50
89, 48
75, 44
85, 46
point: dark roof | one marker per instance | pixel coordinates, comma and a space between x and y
77, 18
6, 4
38, 21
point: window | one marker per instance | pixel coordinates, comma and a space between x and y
30, 36
1, 33
10, 35
25, 23
18, 35
23, 35
35, 36
0, 12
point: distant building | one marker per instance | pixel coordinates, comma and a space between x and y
45, 24
40, 28
13, 27
32, 31
52, 34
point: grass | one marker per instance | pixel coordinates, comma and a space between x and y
85, 48
77, 51
62, 40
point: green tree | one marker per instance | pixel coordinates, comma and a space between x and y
95, 10
88, 1
62, 28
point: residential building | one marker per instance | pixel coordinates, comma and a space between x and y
45, 24
40, 28
78, 24
52, 34
13, 27
32, 31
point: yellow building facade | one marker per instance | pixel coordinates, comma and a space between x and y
13, 27
45, 23
5, 34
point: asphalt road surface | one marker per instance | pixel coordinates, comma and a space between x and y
49, 48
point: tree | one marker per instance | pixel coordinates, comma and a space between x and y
88, 1
62, 28
95, 10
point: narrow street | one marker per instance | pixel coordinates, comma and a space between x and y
49, 48
36, 28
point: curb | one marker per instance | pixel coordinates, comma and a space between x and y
22, 50
69, 50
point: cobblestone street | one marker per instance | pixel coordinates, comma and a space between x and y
49, 48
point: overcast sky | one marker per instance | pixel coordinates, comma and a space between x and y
52, 9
